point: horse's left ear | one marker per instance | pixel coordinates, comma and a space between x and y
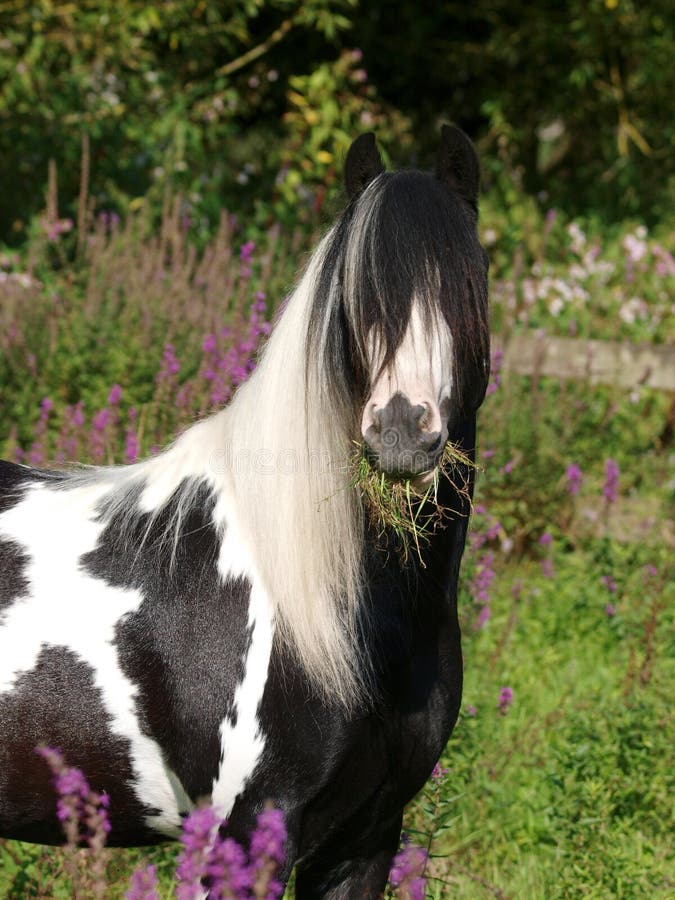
363, 163
457, 163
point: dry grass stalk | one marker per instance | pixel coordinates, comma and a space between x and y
410, 512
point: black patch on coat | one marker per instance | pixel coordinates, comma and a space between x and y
13, 581
58, 704
14, 479
186, 645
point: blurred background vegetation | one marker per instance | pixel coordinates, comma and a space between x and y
163, 166
233, 102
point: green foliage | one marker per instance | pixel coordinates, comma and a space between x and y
568, 794
162, 91
570, 97
223, 101
326, 110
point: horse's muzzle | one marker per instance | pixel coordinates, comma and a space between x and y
397, 441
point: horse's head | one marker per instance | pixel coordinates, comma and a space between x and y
413, 294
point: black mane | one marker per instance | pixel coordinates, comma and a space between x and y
417, 241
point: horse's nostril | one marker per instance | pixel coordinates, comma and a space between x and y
436, 444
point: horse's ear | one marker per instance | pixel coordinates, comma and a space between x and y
363, 163
457, 163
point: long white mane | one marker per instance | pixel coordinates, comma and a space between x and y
277, 460
291, 482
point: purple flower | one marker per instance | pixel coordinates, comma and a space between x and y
46, 406
505, 700
407, 872
610, 487
197, 838
609, 583
269, 835
493, 531
495, 371
484, 577
547, 568
101, 419
209, 343
115, 395
131, 445
228, 871
610, 610
267, 853
170, 364
75, 415
470, 710
574, 478
483, 617
546, 539
143, 884
438, 773
82, 812
246, 252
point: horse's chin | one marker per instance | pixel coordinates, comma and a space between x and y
419, 482
422, 481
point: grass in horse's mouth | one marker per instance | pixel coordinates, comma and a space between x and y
404, 507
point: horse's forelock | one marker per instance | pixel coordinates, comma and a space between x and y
406, 240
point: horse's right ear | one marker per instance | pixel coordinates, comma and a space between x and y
363, 163
457, 164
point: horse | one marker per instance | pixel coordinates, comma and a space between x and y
223, 620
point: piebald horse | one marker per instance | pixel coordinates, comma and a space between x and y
222, 621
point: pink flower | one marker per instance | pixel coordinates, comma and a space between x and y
610, 487
209, 343
115, 395
574, 478
407, 872
100, 419
143, 884
483, 617
246, 252
505, 700
131, 445
547, 568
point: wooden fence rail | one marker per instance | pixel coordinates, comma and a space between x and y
599, 362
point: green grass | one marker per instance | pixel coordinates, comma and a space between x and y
568, 794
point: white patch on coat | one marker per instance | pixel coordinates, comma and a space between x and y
421, 370
66, 607
242, 744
